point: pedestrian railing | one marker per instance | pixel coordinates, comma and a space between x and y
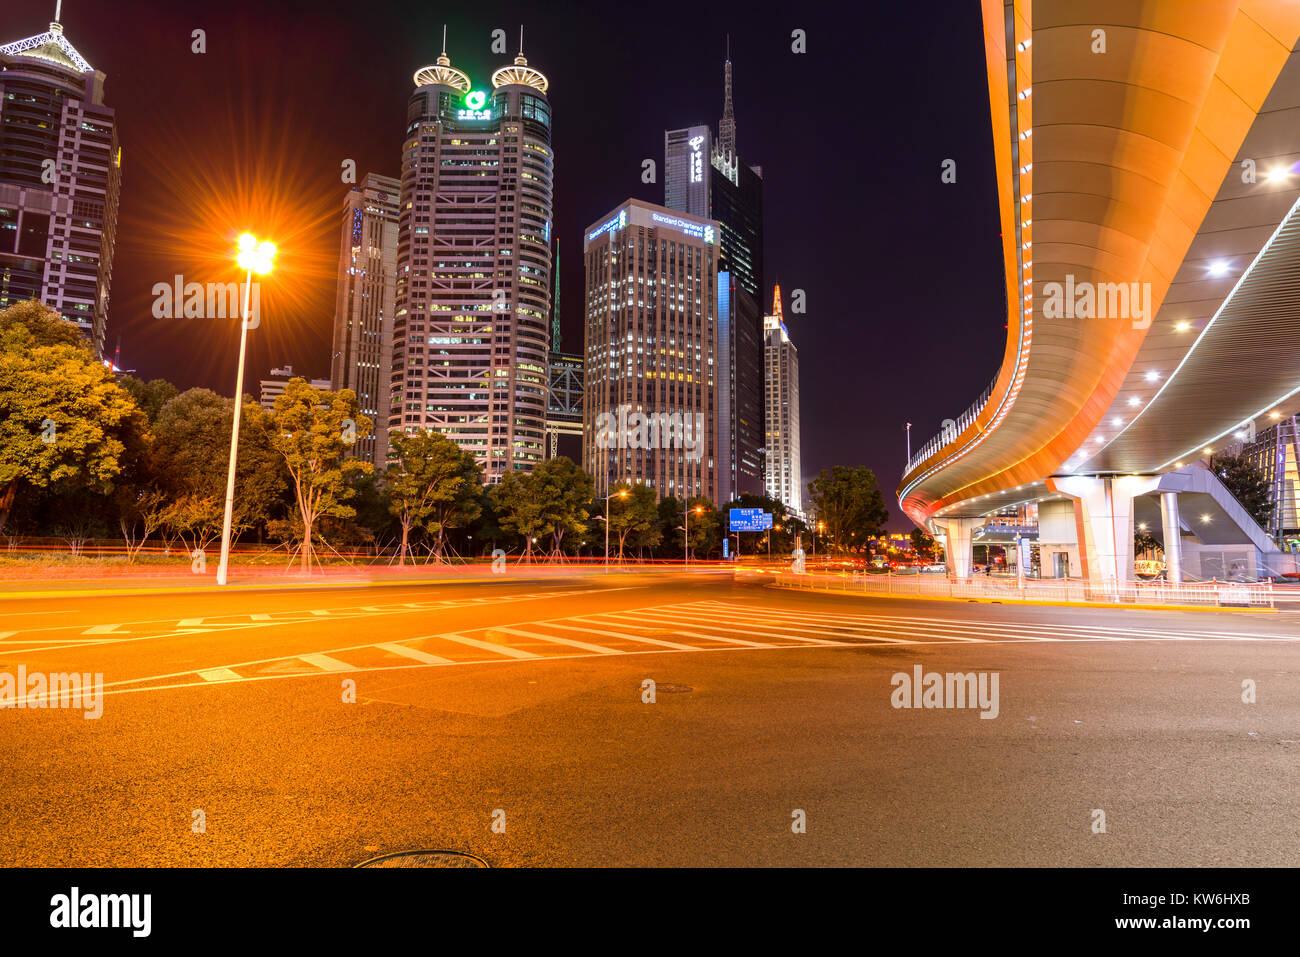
1212, 594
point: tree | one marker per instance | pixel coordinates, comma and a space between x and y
703, 525
1247, 484
432, 483
191, 455
64, 423
150, 396
197, 519
922, 544
564, 492
518, 509
308, 427
634, 517
848, 500
140, 513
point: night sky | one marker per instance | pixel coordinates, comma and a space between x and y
902, 274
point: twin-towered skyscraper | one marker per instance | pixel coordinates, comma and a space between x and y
446, 297
471, 286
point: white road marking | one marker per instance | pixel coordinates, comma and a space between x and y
673, 623
706, 621
216, 674
744, 621
189, 622
326, 663
589, 630
487, 646
414, 653
597, 649
104, 630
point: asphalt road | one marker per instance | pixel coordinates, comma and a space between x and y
519, 703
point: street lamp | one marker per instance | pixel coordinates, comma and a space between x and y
686, 530
253, 256
622, 493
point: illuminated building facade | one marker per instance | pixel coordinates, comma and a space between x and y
363, 310
1276, 453
705, 177
781, 362
650, 345
473, 284
60, 171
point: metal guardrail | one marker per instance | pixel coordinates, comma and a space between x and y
1211, 594
961, 424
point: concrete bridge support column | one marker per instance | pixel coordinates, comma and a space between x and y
1173, 536
957, 550
1103, 516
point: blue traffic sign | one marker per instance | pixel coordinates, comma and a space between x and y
750, 520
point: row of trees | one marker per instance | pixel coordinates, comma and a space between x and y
84, 454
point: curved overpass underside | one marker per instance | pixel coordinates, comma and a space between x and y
1148, 165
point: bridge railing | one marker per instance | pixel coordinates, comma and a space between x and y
1212, 594
960, 425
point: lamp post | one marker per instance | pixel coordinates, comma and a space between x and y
621, 494
686, 530
253, 256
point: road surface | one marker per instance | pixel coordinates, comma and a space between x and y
508, 718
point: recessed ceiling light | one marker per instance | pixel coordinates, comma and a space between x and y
1182, 326
1208, 451
1117, 421
1278, 175
1205, 519
1152, 376
1218, 268
1134, 401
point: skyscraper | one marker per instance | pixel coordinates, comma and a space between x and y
60, 170
474, 264
650, 344
781, 361
705, 177
363, 309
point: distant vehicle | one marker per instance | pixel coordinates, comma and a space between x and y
935, 567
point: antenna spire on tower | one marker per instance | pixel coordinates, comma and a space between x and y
444, 39
521, 39
727, 125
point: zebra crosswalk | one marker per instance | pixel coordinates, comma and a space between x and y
698, 626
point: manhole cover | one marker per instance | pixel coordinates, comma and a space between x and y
673, 689
425, 859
